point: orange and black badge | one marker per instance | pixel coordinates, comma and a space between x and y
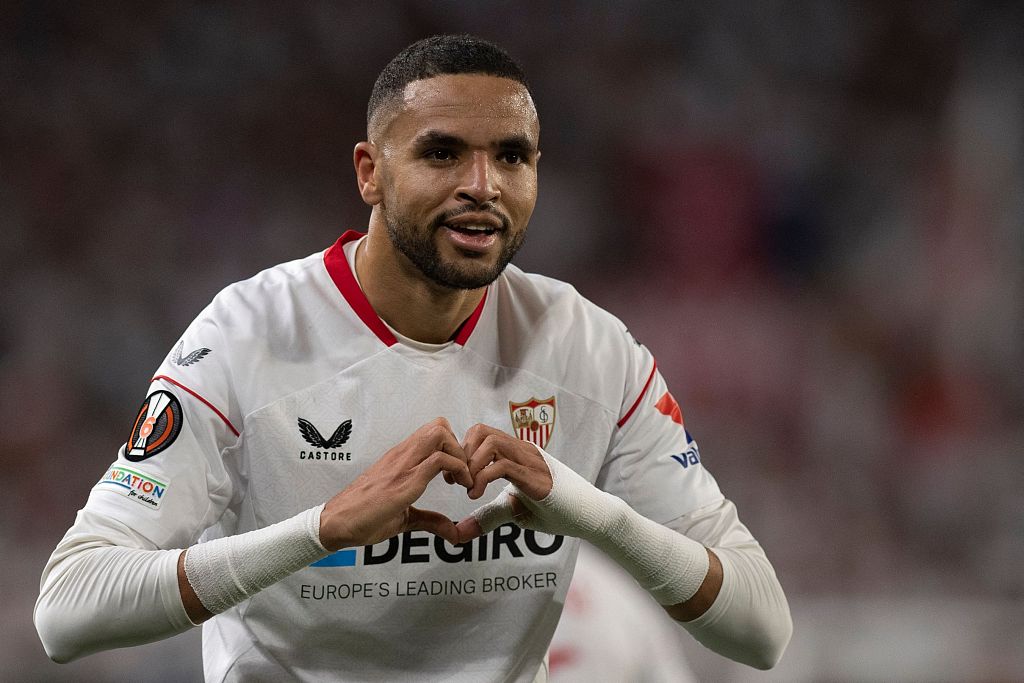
156, 426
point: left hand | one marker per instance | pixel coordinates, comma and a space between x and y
493, 454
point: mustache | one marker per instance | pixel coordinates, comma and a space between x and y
486, 207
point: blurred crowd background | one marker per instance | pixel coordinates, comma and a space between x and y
811, 212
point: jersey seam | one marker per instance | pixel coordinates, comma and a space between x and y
643, 392
202, 399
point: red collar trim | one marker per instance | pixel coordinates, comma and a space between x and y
345, 280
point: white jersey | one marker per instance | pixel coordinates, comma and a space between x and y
288, 385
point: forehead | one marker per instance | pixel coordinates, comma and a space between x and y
470, 105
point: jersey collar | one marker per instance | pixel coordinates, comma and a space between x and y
344, 279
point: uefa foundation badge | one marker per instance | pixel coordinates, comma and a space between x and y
156, 426
533, 420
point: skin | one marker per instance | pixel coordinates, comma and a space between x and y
455, 148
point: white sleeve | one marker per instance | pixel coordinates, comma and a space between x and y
112, 580
105, 586
653, 463
750, 620
655, 466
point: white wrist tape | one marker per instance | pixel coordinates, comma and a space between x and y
226, 571
666, 563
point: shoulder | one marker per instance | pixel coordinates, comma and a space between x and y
272, 321
263, 293
555, 306
547, 327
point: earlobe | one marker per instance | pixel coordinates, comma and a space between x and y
364, 158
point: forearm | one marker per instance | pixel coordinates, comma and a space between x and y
749, 620
107, 588
705, 568
97, 597
217, 575
739, 609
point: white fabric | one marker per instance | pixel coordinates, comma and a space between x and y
290, 344
100, 588
225, 571
611, 630
667, 564
750, 620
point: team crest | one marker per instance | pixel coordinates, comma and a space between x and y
156, 426
533, 420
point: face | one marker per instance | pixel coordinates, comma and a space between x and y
456, 176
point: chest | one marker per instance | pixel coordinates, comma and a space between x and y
305, 447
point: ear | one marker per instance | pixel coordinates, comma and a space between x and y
364, 158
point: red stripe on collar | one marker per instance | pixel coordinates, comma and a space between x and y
345, 280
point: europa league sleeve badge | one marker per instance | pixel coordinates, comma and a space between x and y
156, 426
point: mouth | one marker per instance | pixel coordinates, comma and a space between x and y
471, 238
473, 230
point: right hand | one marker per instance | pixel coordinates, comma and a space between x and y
379, 503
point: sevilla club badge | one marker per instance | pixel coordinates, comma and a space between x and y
156, 426
533, 420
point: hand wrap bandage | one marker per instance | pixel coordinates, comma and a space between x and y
667, 564
226, 571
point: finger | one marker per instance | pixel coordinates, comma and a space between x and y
448, 478
487, 451
475, 436
434, 522
501, 469
439, 461
492, 515
439, 437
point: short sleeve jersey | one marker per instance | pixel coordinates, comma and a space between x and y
288, 385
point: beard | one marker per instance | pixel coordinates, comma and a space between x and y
419, 247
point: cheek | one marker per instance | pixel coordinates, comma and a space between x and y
524, 197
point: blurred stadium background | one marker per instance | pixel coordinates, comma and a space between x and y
812, 212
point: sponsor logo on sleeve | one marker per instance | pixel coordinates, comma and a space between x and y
325, 449
156, 426
689, 457
141, 488
667, 405
188, 358
533, 420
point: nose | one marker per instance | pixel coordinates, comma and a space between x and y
478, 182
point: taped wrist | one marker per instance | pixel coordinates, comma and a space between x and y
668, 564
226, 571
664, 562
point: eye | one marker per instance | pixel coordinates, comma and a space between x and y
439, 155
513, 158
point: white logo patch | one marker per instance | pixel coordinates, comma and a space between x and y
135, 485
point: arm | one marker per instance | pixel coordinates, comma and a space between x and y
106, 586
735, 606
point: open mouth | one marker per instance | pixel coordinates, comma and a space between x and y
471, 229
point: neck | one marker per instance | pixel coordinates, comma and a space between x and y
404, 298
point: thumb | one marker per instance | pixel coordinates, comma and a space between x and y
497, 512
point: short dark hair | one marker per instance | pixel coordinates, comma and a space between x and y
439, 55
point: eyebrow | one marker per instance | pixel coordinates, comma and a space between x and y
434, 138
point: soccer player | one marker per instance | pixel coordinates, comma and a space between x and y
302, 451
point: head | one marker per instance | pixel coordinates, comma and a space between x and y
450, 163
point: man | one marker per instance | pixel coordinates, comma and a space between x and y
504, 385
